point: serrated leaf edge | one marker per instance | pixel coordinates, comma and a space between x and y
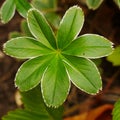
75, 6
81, 88
34, 9
4, 46
1, 13
44, 96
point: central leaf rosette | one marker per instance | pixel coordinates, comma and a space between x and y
55, 60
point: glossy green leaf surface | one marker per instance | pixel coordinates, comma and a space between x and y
55, 83
89, 46
22, 7
83, 73
94, 4
7, 11
25, 47
115, 57
33, 70
116, 111
117, 3
40, 28
69, 27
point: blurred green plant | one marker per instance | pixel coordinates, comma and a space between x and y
94, 4
49, 8
115, 57
116, 111
34, 108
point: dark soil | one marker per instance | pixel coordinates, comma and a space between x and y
103, 21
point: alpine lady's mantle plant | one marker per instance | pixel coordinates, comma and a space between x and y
54, 61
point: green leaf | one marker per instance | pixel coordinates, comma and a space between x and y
25, 47
48, 7
22, 7
40, 28
117, 3
55, 83
44, 5
89, 46
70, 26
24, 28
84, 74
33, 101
35, 108
14, 34
116, 111
115, 57
93, 4
7, 11
30, 73
25, 115
53, 19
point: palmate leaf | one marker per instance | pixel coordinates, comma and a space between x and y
35, 108
55, 83
89, 46
83, 73
55, 62
7, 11
69, 27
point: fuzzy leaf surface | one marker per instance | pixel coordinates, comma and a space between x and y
7, 11
30, 73
116, 111
89, 46
40, 28
94, 4
22, 7
83, 73
25, 47
55, 83
69, 27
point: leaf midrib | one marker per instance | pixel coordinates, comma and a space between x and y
78, 71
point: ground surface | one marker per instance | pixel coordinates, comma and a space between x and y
103, 21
